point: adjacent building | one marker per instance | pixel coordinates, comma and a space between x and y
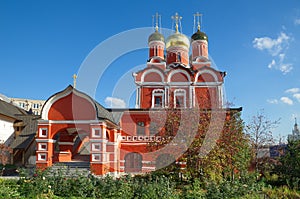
31, 105
295, 133
17, 131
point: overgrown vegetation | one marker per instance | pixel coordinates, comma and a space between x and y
221, 173
152, 186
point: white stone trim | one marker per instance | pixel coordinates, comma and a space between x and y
99, 140
45, 140
41, 155
173, 72
152, 70
150, 168
65, 143
207, 84
158, 93
41, 131
58, 96
47, 122
96, 147
155, 42
42, 146
206, 71
134, 143
180, 92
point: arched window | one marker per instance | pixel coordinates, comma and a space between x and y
178, 57
158, 98
180, 98
140, 128
133, 163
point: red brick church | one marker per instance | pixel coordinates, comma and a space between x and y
178, 75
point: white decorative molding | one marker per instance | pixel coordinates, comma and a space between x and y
158, 93
97, 147
60, 95
152, 70
42, 146
45, 140
98, 133
42, 157
201, 72
173, 72
43, 132
180, 93
66, 143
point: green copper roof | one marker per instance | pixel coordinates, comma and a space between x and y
199, 36
156, 36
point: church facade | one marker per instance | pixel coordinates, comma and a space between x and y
178, 76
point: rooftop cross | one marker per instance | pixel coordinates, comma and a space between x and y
157, 17
177, 19
198, 18
74, 80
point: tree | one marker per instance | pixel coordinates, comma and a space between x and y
213, 145
260, 132
289, 165
5, 152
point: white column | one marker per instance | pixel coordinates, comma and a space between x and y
137, 98
191, 96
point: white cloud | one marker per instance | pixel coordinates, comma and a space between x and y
273, 46
272, 101
286, 100
276, 48
115, 102
293, 90
285, 68
297, 96
297, 22
272, 64
281, 57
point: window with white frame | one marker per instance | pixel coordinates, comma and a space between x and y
22, 104
42, 156
96, 147
158, 98
97, 132
43, 132
42, 147
180, 98
35, 105
96, 157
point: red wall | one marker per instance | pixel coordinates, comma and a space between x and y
72, 107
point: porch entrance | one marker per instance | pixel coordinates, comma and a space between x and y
71, 145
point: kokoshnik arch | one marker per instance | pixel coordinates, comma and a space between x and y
74, 127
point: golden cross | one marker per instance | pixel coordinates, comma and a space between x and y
74, 80
198, 16
177, 19
157, 16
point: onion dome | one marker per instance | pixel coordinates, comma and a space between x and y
156, 36
199, 35
177, 39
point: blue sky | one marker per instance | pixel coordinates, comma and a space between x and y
43, 43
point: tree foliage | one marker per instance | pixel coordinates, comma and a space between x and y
260, 133
288, 168
212, 144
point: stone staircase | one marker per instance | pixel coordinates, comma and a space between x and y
70, 169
